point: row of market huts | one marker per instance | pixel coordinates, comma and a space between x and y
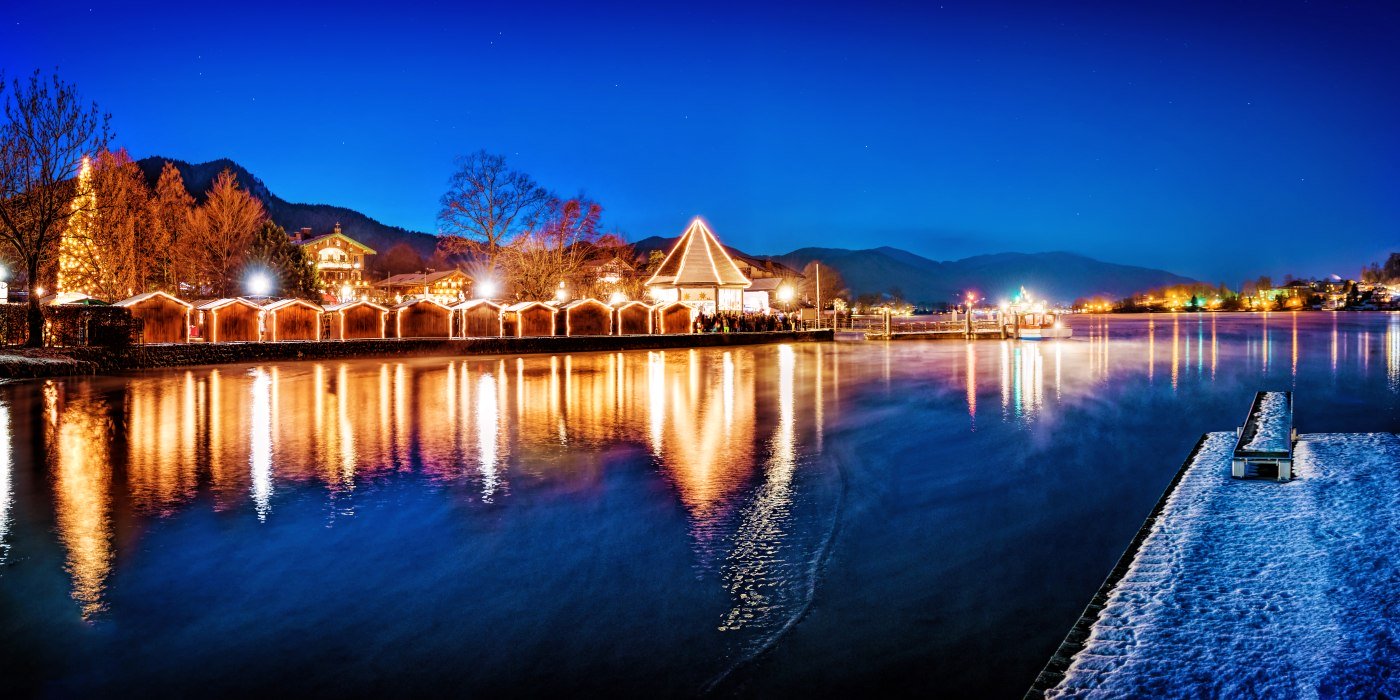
167, 319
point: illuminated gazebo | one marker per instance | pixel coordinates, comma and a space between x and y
698, 271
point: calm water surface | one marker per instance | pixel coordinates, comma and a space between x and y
779, 520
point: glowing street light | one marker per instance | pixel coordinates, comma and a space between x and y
259, 285
485, 289
617, 298
562, 294
785, 294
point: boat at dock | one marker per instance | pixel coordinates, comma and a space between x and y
1032, 320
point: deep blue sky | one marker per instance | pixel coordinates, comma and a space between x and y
1214, 142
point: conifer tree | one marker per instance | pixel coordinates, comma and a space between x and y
169, 218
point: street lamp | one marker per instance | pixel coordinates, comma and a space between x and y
785, 294
562, 294
259, 285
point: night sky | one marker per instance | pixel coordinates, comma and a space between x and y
1215, 142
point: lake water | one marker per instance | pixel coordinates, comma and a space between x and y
904, 517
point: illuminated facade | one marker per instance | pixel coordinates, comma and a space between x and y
340, 262
700, 272
446, 287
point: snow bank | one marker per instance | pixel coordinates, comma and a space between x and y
1272, 433
1260, 589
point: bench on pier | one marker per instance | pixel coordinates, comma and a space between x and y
1264, 444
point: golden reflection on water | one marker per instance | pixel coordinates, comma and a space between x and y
970, 359
758, 547
1176, 352
79, 434
1295, 345
240, 433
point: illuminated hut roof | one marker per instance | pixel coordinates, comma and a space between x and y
473, 303
358, 302
133, 301
698, 260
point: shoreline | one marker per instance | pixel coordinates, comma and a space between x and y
1078, 635
43, 363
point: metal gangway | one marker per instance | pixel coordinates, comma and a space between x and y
1264, 444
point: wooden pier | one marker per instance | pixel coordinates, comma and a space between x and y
967, 328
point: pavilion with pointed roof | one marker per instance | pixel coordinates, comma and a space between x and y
700, 272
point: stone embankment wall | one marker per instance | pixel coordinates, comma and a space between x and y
16, 363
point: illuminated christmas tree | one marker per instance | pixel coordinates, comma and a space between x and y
78, 262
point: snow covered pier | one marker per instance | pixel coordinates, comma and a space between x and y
1264, 448
1237, 589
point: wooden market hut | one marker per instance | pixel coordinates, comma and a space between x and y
675, 317
479, 318
422, 318
357, 320
531, 318
229, 320
292, 319
164, 318
586, 317
633, 318
700, 271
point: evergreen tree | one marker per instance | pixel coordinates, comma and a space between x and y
169, 217
221, 232
273, 251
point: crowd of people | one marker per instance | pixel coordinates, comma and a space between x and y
745, 322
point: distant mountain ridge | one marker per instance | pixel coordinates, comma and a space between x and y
1058, 276
321, 218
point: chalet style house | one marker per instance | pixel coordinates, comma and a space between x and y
340, 262
445, 287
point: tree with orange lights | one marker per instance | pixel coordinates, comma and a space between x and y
221, 231
169, 210
554, 251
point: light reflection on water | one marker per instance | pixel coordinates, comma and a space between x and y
740, 439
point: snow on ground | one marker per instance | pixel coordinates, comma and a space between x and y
1261, 588
1271, 434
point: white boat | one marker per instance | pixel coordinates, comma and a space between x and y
1040, 331
1031, 320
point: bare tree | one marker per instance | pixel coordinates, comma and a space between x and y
486, 206
556, 250
169, 217
832, 286
221, 232
45, 134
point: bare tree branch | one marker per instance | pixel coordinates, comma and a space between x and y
44, 135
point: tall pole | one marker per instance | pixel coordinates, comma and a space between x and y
819, 294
